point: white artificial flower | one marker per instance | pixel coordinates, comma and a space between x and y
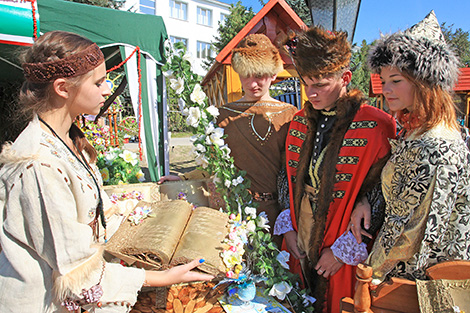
194, 138
308, 300
280, 290
201, 160
198, 95
188, 57
210, 128
168, 74
181, 104
216, 180
263, 220
240, 179
227, 183
129, 157
140, 176
251, 226
200, 148
283, 258
250, 211
177, 85
216, 137
225, 150
194, 115
213, 111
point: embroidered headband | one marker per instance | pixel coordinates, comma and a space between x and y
71, 66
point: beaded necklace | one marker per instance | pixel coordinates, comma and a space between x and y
269, 115
86, 166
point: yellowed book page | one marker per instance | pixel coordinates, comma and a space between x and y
202, 238
153, 241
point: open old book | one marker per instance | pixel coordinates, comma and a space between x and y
176, 234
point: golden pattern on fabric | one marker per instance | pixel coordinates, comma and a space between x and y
343, 177
348, 160
294, 148
339, 194
363, 124
293, 163
355, 142
426, 188
298, 134
300, 119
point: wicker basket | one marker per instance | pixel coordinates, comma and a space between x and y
197, 298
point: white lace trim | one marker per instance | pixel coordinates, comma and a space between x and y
348, 250
283, 223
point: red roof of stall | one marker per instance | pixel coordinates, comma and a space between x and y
463, 84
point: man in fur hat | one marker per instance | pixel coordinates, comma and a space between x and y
257, 124
336, 147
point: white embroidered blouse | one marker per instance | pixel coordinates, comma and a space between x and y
48, 200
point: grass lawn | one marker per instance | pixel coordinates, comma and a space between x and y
181, 134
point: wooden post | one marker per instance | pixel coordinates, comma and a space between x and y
362, 300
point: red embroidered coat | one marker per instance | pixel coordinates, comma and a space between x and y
365, 142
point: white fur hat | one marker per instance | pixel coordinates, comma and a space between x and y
420, 51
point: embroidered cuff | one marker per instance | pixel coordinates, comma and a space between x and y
348, 250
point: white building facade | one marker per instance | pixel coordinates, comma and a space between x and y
194, 22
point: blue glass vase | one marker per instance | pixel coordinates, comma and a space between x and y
246, 293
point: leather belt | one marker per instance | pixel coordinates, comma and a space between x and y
263, 196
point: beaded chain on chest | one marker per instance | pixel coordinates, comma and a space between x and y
251, 116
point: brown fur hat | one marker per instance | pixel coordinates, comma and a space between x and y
319, 52
256, 55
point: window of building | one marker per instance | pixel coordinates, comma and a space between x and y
223, 17
179, 10
204, 16
203, 50
174, 39
147, 6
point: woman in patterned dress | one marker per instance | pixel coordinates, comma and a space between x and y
426, 182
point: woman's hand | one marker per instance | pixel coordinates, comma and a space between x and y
291, 242
328, 265
362, 211
175, 275
168, 178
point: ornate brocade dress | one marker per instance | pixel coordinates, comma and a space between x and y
426, 185
256, 134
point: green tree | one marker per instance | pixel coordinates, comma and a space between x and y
459, 41
237, 19
361, 73
301, 9
113, 4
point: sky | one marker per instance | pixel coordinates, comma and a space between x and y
387, 16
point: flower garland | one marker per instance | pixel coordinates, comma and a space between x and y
249, 246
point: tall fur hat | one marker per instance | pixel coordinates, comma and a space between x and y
420, 51
256, 55
318, 52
